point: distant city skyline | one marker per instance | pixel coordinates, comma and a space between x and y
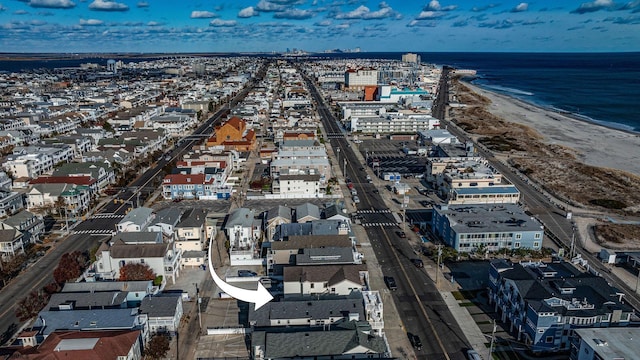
33, 26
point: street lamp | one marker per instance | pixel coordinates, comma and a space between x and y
338, 152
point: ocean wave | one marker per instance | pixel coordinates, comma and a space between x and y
508, 90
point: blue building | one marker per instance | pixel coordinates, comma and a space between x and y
543, 303
494, 226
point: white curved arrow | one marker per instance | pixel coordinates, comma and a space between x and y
259, 297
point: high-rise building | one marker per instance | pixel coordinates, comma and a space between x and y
411, 58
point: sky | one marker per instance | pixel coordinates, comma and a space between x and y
168, 26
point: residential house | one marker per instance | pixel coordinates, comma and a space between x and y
90, 321
29, 224
542, 303
244, 232
313, 313
11, 241
33, 161
136, 220
164, 313
307, 212
137, 247
134, 291
274, 217
344, 341
165, 222
283, 253
234, 135
10, 202
301, 166
77, 344
179, 186
297, 186
324, 279
76, 198
190, 231
336, 211
469, 228
102, 172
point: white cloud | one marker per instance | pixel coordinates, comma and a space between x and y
142, 4
294, 14
434, 5
268, 6
364, 13
202, 14
429, 15
52, 4
107, 5
91, 22
248, 12
323, 23
154, 23
520, 7
221, 23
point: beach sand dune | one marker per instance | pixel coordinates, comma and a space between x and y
594, 144
582, 163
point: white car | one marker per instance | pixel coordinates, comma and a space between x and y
356, 199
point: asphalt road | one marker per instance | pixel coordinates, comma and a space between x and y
36, 277
41, 273
420, 305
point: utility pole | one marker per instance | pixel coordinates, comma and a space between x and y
338, 154
198, 305
438, 265
493, 336
344, 170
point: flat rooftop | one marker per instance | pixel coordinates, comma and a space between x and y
489, 217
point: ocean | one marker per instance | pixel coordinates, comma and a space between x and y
602, 88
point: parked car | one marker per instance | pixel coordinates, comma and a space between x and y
356, 199
401, 234
391, 283
415, 341
418, 263
246, 273
473, 355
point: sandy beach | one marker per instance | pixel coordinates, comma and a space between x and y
594, 144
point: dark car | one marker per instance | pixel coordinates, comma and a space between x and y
246, 273
415, 341
418, 263
391, 283
402, 234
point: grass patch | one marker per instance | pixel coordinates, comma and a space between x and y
608, 203
466, 294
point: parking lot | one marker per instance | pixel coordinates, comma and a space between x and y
391, 157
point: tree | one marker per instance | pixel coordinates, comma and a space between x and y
136, 271
31, 305
70, 266
107, 127
157, 347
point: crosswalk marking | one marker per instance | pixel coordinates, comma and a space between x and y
93, 231
107, 216
381, 211
380, 224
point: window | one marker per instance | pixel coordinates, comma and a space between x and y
536, 244
537, 236
549, 339
518, 236
517, 245
312, 285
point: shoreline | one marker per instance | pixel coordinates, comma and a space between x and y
594, 144
566, 113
